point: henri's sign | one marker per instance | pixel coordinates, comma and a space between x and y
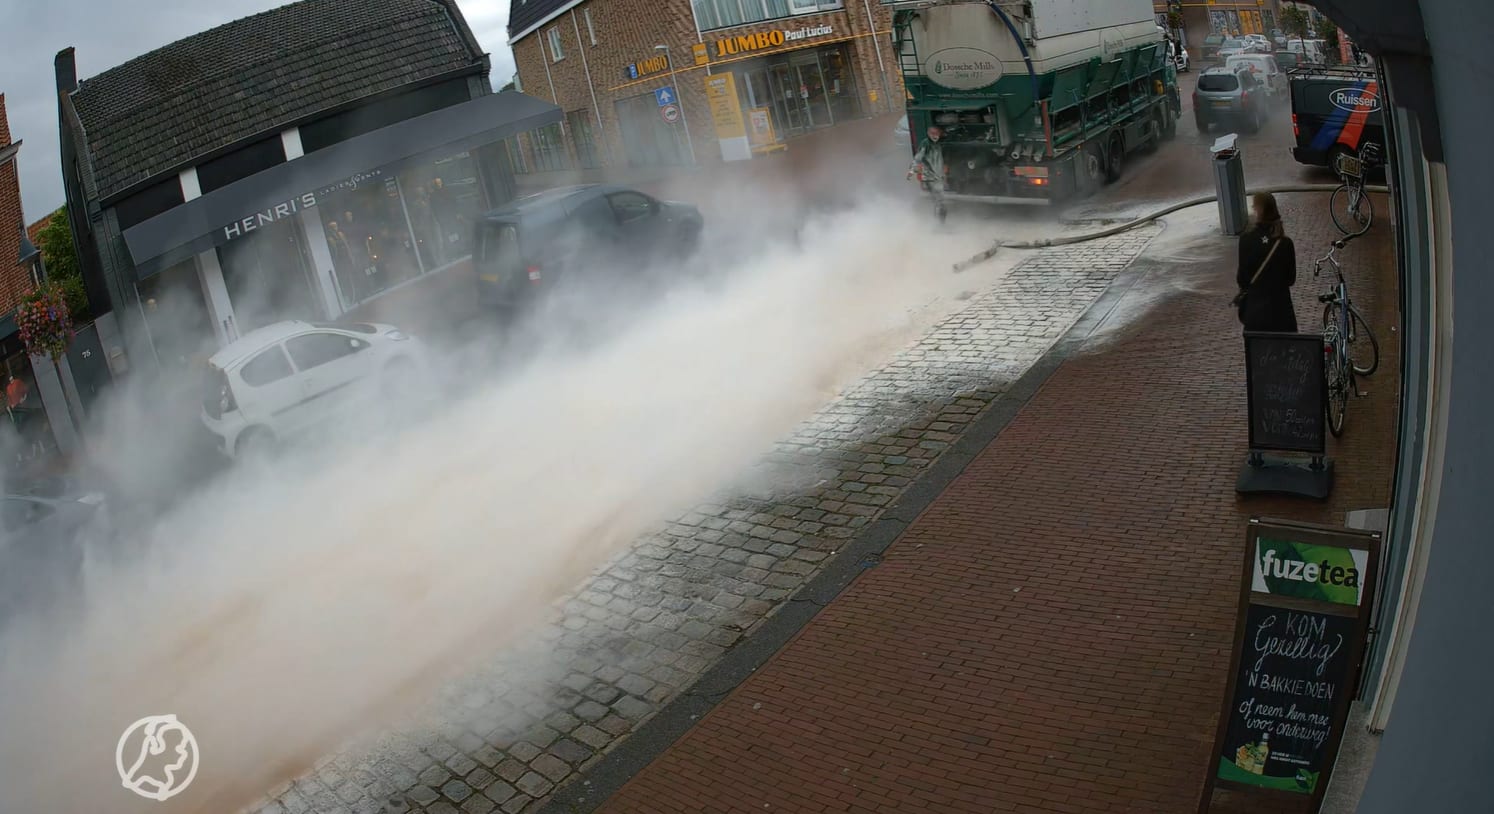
266, 217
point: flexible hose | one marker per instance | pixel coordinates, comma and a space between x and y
1021, 46
1069, 240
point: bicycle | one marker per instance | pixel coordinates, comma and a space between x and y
1343, 327
1350, 205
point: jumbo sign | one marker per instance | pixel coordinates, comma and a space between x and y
746, 43
648, 67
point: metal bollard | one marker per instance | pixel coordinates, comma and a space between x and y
1229, 185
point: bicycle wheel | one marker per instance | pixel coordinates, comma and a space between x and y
1351, 221
1336, 408
1364, 349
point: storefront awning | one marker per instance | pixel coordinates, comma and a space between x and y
206, 222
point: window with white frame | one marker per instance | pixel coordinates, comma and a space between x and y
591, 30
553, 36
710, 14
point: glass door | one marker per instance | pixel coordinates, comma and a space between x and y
811, 90
788, 100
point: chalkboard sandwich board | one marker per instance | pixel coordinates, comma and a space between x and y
1288, 392
1287, 396
1304, 608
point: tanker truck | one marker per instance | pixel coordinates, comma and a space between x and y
1040, 100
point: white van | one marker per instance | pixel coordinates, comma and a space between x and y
1310, 50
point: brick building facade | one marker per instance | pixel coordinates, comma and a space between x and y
601, 63
15, 281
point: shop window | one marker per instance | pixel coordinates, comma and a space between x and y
553, 35
390, 228
549, 149
26, 432
269, 276
176, 316
581, 134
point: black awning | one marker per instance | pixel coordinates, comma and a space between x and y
213, 219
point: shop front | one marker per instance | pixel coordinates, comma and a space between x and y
316, 237
798, 84
802, 90
27, 435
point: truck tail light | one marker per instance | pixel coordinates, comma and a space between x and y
1031, 172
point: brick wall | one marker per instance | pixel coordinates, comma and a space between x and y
15, 281
627, 31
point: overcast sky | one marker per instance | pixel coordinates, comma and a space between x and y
109, 32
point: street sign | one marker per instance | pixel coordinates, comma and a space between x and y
671, 113
664, 96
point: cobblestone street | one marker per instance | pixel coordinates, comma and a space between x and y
648, 626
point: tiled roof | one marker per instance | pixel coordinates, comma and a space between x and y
524, 13
160, 111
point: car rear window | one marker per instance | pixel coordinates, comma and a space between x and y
499, 255
1218, 83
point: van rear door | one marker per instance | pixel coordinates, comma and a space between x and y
1329, 111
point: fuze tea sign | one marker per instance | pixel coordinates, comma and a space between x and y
1305, 597
1324, 573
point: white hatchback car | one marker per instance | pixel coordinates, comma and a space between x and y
288, 378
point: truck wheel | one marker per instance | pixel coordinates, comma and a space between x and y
1090, 167
1115, 158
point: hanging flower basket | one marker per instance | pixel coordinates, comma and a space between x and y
43, 321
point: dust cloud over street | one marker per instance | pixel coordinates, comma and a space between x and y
280, 610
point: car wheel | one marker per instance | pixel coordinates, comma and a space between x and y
255, 445
689, 242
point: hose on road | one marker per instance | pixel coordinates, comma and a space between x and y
1069, 240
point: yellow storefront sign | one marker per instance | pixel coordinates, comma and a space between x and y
701, 56
726, 114
726, 111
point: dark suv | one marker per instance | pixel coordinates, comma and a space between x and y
597, 237
1231, 95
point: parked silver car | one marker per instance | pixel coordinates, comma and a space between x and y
1230, 96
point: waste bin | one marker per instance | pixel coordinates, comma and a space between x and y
1229, 185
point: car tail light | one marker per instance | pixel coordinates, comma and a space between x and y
534, 274
1295, 132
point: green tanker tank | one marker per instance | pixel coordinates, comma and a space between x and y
1040, 100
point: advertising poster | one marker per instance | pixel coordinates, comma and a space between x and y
1292, 675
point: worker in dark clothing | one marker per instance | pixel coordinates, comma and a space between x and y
1267, 271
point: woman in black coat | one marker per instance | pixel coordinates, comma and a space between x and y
1267, 283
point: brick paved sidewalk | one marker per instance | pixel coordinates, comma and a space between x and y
1052, 634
